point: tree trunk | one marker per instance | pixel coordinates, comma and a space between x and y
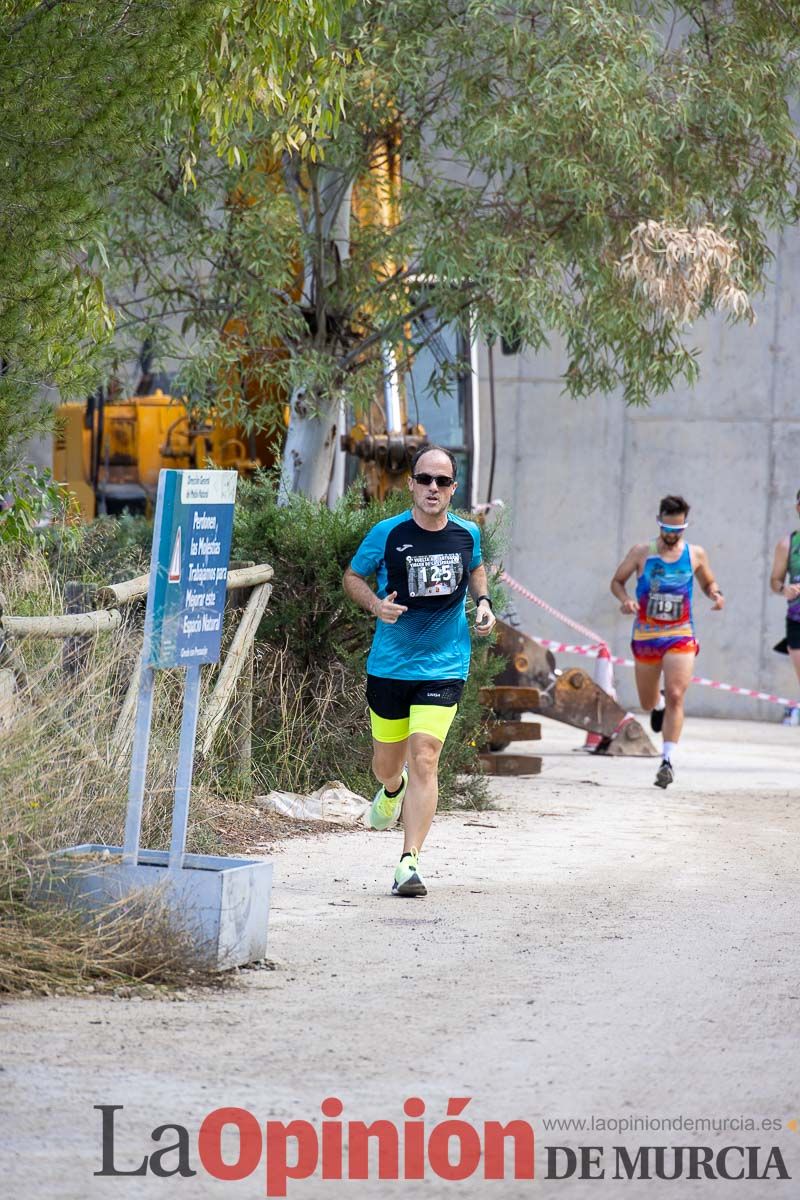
310, 445
314, 420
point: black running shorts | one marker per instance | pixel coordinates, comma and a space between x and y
392, 698
399, 708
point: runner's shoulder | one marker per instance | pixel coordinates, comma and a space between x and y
640, 551
472, 531
385, 527
471, 526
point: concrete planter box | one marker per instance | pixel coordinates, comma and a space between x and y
222, 903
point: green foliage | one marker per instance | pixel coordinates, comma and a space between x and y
534, 139
34, 498
109, 550
261, 56
86, 88
309, 545
79, 82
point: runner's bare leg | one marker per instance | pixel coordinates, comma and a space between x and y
388, 759
423, 788
795, 657
648, 684
678, 672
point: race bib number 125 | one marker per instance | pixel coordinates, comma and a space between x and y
434, 574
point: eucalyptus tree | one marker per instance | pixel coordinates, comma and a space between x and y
85, 87
603, 171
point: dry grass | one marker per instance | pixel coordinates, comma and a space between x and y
47, 950
312, 725
62, 783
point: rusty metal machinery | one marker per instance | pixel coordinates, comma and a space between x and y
386, 456
570, 696
500, 728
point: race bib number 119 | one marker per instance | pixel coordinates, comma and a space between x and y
665, 606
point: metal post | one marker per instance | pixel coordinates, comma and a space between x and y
183, 780
391, 391
141, 746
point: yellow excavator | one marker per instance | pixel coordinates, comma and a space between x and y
109, 450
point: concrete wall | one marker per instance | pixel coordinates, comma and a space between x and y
582, 480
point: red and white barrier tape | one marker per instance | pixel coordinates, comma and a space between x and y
554, 612
593, 649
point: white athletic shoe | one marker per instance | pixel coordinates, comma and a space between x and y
385, 810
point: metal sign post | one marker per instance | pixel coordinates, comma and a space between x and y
192, 535
183, 779
222, 902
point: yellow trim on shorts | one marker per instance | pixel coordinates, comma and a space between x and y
433, 719
384, 730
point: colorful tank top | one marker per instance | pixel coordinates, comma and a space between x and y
793, 611
664, 597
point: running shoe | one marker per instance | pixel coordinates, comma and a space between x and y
657, 717
385, 810
665, 775
407, 879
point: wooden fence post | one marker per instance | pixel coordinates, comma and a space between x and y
78, 598
235, 660
240, 727
8, 699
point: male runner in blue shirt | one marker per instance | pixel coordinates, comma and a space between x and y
424, 561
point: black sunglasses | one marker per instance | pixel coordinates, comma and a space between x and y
442, 481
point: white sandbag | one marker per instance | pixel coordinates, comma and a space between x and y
331, 802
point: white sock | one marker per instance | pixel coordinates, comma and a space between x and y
661, 703
669, 751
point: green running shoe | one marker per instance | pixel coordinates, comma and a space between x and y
385, 810
407, 879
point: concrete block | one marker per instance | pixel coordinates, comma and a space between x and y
222, 903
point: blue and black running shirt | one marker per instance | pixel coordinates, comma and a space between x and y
429, 569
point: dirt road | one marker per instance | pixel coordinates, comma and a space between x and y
592, 947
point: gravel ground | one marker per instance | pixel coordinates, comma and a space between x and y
590, 947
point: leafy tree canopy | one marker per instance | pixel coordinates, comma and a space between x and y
85, 86
541, 144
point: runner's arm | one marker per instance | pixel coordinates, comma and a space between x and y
359, 591
780, 565
705, 577
479, 587
626, 568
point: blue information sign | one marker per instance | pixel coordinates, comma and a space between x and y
189, 568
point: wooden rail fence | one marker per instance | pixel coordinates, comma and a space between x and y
92, 611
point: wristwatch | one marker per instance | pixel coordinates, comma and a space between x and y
488, 600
